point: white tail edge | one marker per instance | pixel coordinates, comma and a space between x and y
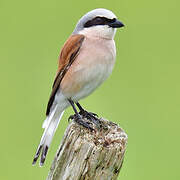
50, 125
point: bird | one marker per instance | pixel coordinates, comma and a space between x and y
86, 60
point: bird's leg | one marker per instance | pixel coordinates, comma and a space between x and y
89, 115
77, 117
82, 110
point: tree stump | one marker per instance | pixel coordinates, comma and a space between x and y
89, 155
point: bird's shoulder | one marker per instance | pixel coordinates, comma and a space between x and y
71, 48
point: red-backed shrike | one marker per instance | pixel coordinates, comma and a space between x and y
86, 60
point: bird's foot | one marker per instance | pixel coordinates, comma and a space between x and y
91, 116
78, 119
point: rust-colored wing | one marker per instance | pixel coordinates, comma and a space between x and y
68, 54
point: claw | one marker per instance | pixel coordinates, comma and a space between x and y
71, 117
94, 114
92, 117
77, 118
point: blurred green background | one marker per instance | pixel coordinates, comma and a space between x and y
142, 95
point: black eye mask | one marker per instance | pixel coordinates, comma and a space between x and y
99, 21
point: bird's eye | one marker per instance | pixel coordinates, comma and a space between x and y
98, 19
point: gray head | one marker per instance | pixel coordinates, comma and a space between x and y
98, 20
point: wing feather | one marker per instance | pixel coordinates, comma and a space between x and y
68, 54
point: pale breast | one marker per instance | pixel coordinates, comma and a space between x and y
93, 66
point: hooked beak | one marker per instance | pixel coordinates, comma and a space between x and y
116, 24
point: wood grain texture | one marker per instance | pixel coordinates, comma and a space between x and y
86, 155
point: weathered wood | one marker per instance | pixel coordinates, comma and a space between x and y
86, 155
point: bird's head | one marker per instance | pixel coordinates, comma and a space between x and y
98, 23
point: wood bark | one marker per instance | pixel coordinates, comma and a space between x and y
90, 155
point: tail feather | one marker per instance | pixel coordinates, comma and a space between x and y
37, 154
50, 125
48, 119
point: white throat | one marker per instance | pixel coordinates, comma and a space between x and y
99, 31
